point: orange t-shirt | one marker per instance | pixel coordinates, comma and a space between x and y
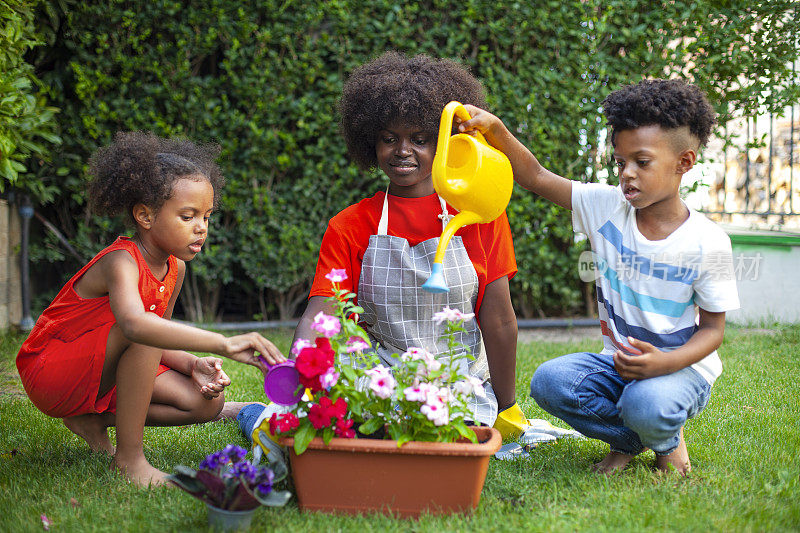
489, 246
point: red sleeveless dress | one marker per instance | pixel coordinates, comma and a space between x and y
61, 362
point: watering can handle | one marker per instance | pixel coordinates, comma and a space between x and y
446, 127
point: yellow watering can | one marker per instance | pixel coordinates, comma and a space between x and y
470, 175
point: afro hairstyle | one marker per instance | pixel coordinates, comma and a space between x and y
668, 103
395, 89
141, 168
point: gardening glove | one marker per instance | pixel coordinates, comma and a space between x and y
510, 422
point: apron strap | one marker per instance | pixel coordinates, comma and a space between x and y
383, 224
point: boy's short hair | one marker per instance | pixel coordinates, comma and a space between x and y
670, 104
395, 89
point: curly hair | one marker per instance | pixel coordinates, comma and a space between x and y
668, 103
140, 167
395, 89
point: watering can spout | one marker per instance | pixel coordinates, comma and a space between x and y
470, 175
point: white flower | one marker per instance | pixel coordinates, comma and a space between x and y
435, 409
429, 361
326, 325
451, 315
469, 385
337, 275
329, 378
382, 382
299, 344
418, 392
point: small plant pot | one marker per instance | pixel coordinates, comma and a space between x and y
224, 520
355, 476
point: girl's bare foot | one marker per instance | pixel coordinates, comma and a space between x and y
613, 462
231, 409
678, 459
139, 471
93, 428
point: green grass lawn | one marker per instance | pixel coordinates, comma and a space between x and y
744, 449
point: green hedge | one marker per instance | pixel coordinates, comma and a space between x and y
26, 121
263, 79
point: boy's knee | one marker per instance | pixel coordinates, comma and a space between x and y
648, 415
545, 384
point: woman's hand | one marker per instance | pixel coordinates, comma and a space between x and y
209, 377
243, 348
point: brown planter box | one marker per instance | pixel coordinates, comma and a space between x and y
355, 476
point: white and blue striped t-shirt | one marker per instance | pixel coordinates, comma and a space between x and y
650, 290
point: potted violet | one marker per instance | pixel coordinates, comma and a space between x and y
232, 487
365, 437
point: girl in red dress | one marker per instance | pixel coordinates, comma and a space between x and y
105, 352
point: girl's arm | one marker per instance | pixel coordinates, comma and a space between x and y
499, 329
121, 276
528, 172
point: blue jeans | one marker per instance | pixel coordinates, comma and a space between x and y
585, 391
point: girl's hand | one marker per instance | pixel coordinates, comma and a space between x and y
243, 348
209, 377
648, 363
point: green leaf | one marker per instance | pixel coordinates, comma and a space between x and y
371, 426
303, 437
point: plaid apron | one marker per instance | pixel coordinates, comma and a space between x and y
398, 313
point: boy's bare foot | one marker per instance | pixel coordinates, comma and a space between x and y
613, 462
231, 409
139, 471
93, 428
678, 459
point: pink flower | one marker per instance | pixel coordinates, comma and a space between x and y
298, 346
326, 325
337, 275
329, 378
46, 522
382, 382
451, 315
356, 344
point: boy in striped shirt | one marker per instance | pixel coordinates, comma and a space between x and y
663, 272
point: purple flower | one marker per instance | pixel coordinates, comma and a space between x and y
245, 471
214, 461
235, 453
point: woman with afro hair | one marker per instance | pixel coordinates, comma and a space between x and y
390, 110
